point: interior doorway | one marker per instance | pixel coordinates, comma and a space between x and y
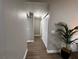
36, 26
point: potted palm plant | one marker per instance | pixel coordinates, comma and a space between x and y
66, 34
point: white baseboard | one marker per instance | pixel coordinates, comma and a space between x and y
25, 54
30, 41
52, 51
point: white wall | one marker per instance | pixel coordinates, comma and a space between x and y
12, 29
44, 30
60, 10
29, 28
2, 32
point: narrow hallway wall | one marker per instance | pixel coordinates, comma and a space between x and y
13, 29
44, 30
29, 29
2, 33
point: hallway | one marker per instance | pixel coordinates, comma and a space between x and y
37, 50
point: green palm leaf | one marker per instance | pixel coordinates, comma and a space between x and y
66, 33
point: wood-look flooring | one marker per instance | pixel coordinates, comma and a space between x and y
37, 50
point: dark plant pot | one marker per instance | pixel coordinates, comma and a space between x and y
65, 53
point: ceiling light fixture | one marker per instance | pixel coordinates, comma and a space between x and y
37, 14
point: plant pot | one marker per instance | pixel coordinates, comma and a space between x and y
65, 53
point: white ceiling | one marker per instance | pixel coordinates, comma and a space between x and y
38, 8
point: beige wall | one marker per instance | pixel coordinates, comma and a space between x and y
2, 32
61, 10
12, 20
